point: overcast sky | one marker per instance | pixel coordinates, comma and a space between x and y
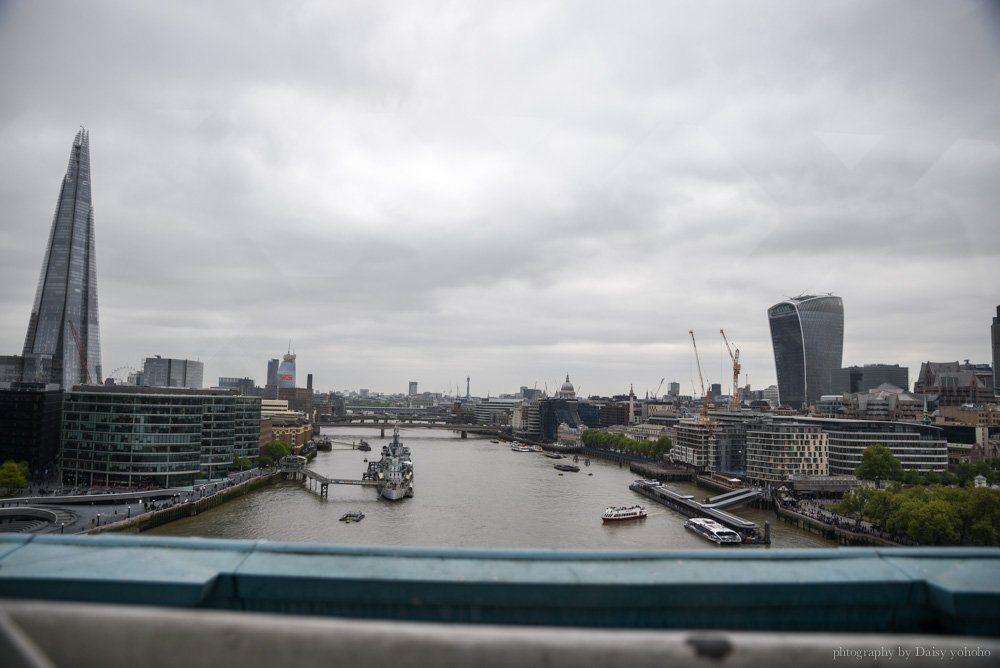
509, 191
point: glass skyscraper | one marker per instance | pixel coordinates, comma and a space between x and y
63, 344
807, 334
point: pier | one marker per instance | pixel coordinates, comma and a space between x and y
294, 467
686, 505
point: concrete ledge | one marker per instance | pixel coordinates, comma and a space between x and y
123, 636
903, 590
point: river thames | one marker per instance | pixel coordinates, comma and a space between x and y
469, 493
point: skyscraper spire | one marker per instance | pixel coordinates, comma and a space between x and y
63, 343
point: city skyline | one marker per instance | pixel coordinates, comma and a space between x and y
510, 193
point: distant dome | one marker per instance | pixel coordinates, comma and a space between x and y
567, 391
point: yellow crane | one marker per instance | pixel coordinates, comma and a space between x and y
734, 403
704, 401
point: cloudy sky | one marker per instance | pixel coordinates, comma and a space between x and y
509, 191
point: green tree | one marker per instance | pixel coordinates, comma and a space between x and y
934, 523
878, 464
242, 463
273, 452
13, 475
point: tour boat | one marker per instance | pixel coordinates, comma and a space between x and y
621, 513
520, 447
713, 531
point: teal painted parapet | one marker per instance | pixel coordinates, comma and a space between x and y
870, 590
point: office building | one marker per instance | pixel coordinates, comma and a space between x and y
853, 379
246, 386
413, 388
29, 428
137, 436
165, 372
286, 371
63, 343
995, 346
674, 389
272, 372
807, 334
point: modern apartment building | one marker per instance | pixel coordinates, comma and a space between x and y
917, 446
779, 449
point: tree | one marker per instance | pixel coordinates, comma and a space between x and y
13, 475
242, 463
878, 464
273, 452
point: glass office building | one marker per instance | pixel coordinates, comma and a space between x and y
63, 344
807, 334
164, 437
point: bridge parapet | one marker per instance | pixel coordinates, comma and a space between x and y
863, 590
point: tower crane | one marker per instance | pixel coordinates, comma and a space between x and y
657, 393
734, 403
701, 379
80, 351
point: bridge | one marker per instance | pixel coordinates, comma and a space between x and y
387, 421
117, 600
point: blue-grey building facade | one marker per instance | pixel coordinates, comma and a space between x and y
807, 334
138, 436
63, 343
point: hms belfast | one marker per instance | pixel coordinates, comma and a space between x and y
394, 471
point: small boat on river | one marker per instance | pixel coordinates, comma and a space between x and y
520, 447
623, 514
553, 455
352, 516
363, 445
567, 467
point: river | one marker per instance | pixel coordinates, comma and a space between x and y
468, 493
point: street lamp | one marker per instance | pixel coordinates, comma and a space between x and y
98, 519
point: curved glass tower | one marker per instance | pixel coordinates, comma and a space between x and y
807, 334
63, 344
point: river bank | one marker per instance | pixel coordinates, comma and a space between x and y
187, 508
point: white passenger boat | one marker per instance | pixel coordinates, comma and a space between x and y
623, 514
713, 531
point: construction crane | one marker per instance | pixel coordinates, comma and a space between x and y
79, 349
734, 403
701, 379
657, 393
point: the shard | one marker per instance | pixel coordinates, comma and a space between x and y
63, 344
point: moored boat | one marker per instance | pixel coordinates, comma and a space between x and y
520, 447
553, 455
352, 516
363, 445
393, 473
713, 531
566, 467
623, 514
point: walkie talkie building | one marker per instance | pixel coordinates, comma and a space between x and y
807, 334
63, 344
